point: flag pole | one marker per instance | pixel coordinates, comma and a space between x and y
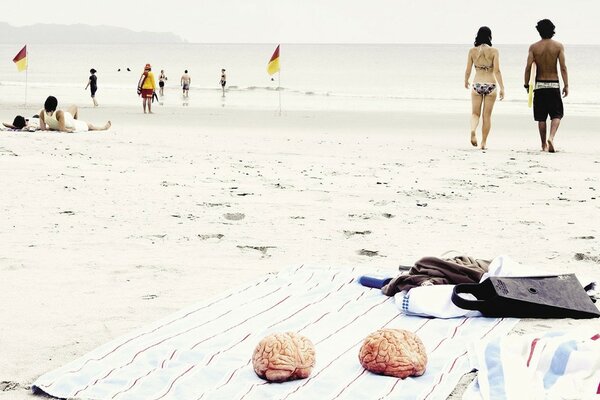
26, 81
279, 83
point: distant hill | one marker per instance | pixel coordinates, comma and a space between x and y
80, 34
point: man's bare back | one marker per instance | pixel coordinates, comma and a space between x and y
546, 53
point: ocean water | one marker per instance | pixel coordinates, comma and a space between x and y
330, 77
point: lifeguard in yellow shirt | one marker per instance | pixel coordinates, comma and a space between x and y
146, 87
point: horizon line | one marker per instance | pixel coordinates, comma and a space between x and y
185, 42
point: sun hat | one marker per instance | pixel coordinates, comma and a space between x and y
148, 66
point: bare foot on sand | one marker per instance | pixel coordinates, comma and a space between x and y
108, 125
483, 146
473, 139
550, 146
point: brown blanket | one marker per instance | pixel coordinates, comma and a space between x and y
437, 271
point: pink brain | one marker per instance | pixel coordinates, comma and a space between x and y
284, 357
393, 352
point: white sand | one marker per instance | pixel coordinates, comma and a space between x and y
105, 232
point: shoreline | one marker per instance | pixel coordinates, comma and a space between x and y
107, 232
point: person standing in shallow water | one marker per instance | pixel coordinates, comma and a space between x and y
186, 81
161, 82
484, 91
223, 81
547, 102
93, 85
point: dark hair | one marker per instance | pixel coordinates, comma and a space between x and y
484, 36
92, 71
186, 71
19, 122
51, 104
545, 28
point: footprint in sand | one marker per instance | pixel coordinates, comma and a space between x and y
6, 386
8, 152
349, 234
217, 236
213, 204
262, 249
234, 216
587, 257
368, 253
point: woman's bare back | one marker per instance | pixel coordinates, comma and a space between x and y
483, 58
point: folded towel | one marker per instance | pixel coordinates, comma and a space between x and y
553, 365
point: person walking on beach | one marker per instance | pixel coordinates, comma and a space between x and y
186, 81
146, 87
161, 82
547, 100
223, 81
65, 120
486, 61
93, 85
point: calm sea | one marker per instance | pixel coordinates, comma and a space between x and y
354, 77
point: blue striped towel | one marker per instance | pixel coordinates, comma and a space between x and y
552, 365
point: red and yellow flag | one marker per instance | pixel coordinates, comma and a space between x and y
21, 59
273, 66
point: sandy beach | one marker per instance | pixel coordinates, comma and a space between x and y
105, 232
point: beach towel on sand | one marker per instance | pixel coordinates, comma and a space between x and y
204, 352
547, 365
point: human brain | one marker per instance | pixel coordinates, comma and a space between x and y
284, 357
393, 352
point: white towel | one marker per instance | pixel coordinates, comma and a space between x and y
204, 352
554, 365
432, 301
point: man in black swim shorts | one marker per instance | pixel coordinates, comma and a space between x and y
547, 101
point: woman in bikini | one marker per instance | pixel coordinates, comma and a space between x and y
161, 82
486, 61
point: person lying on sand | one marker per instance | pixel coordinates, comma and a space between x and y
65, 121
21, 123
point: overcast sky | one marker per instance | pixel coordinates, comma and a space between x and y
324, 21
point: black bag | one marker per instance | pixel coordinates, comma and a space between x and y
556, 296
